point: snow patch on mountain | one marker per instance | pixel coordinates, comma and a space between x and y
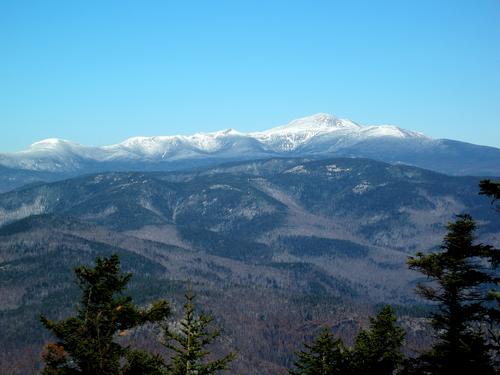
299, 169
333, 168
223, 187
389, 131
37, 207
361, 188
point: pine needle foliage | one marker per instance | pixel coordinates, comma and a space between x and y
325, 356
189, 342
460, 275
378, 349
490, 189
86, 342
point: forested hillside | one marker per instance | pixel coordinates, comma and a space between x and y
276, 249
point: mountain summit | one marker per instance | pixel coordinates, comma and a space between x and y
320, 135
318, 122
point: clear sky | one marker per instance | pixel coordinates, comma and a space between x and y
98, 72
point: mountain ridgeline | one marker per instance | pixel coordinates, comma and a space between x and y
326, 213
319, 136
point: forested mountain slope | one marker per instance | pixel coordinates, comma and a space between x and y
277, 246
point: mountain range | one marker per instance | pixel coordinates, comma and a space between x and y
320, 135
280, 232
279, 246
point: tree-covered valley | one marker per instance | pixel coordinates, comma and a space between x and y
276, 249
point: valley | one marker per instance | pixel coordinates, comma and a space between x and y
276, 248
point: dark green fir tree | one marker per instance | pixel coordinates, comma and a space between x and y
490, 189
378, 349
189, 342
325, 356
461, 277
86, 342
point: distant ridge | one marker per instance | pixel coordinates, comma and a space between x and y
321, 135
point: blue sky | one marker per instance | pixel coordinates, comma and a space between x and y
97, 72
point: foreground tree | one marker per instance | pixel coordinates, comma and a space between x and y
189, 342
378, 350
460, 287
325, 356
140, 363
490, 189
86, 341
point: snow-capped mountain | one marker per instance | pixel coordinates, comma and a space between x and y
316, 129
317, 135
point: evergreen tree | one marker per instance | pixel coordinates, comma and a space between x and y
189, 342
490, 189
86, 341
140, 363
378, 350
325, 356
459, 286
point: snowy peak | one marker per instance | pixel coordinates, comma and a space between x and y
52, 143
164, 145
301, 132
390, 131
321, 133
321, 122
